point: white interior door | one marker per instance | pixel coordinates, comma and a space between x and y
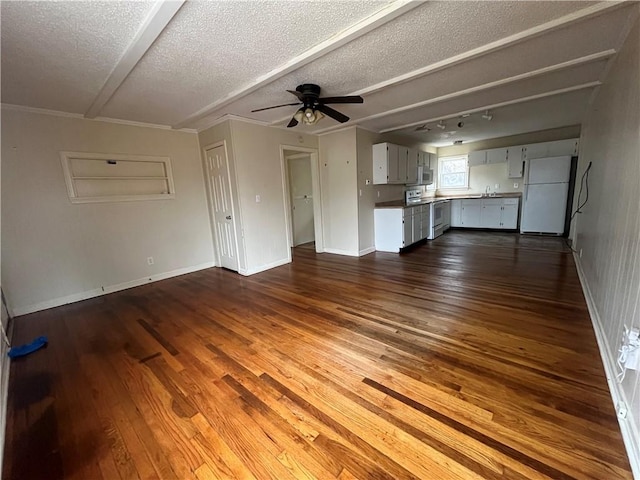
301, 191
221, 207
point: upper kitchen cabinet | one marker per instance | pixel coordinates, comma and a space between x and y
497, 155
397, 164
515, 162
386, 167
413, 160
403, 158
478, 157
551, 149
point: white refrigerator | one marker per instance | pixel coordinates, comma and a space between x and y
546, 186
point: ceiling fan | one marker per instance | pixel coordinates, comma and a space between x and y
313, 107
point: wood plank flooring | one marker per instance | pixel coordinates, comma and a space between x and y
468, 357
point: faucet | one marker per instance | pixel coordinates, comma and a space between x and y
486, 190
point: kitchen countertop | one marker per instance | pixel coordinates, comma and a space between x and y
428, 200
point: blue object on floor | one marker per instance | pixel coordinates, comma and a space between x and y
23, 350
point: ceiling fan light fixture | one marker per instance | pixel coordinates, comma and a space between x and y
309, 116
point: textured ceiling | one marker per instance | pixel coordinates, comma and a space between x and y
211, 48
416, 66
57, 55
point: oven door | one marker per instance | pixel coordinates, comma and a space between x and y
438, 214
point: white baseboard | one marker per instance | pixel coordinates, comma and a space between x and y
76, 297
366, 251
337, 251
269, 266
628, 425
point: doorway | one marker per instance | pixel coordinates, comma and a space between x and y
221, 205
302, 196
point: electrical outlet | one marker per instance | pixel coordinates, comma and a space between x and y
515, 185
149, 260
258, 199
367, 182
378, 193
580, 254
497, 186
621, 410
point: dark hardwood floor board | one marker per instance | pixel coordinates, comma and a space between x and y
471, 356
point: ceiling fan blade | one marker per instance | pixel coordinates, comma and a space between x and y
292, 123
332, 113
345, 99
275, 106
297, 94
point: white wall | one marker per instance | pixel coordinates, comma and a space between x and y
482, 175
257, 166
338, 180
608, 230
54, 252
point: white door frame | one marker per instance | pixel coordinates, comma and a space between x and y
317, 198
212, 222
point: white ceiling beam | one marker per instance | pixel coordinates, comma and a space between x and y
366, 25
496, 105
158, 18
511, 40
479, 88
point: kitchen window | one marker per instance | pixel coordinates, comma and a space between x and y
453, 172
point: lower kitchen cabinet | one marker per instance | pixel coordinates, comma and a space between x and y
471, 210
499, 213
396, 228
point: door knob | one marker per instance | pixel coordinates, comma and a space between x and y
228, 217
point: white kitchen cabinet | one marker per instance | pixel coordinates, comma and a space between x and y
557, 148
433, 160
486, 213
386, 167
471, 212
497, 155
407, 227
413, 158
477, 158
491, 215
424, 232
396, 228
403, 157
456, 213
515, 162
510, 213
416, 222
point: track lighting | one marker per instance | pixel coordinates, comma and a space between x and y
441, 125
487, 115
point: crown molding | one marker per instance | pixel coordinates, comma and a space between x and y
79, 116
230, 116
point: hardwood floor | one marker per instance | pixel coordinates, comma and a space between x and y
469, 357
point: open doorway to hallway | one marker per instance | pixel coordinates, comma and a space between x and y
302, 197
